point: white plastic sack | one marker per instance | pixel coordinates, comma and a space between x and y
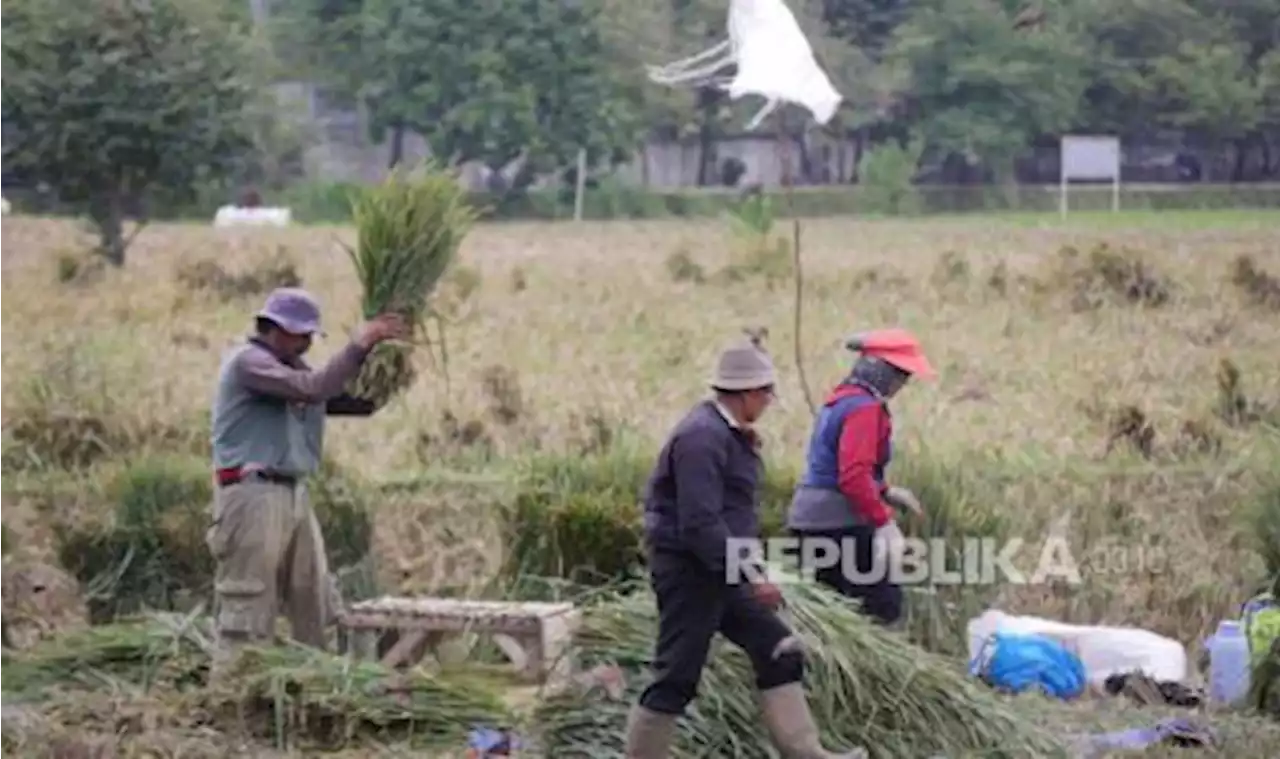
1104, 651
774, 61
235, 216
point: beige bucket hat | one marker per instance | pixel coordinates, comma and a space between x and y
743, 366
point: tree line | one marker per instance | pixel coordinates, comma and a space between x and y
974, 82
112, 102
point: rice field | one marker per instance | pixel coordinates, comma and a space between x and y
1110, 379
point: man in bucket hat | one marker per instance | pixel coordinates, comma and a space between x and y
268, 429
843, 501
702, 492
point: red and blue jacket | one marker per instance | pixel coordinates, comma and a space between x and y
851, 445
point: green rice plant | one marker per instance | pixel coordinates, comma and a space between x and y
408, 230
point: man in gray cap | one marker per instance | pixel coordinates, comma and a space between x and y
702, 492
268, 430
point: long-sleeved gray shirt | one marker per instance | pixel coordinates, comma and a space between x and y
704, 488
270, 414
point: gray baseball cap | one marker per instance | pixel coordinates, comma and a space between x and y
293, 310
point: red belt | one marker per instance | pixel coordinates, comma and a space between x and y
233, 475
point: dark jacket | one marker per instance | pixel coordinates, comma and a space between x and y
704, 488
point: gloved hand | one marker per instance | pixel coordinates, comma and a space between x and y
901, 498
889, 543
768, 594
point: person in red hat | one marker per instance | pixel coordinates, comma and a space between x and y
843, 501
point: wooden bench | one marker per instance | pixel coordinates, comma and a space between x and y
536, 637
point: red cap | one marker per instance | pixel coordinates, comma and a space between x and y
897, 347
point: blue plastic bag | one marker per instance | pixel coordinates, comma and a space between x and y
485, 741
1015, 663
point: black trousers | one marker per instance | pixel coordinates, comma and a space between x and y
693, 605
881, 598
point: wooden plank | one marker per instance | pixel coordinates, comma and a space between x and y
534, 636
457, 607
516, 651
451, 624
365, 644
409, 640
556, 658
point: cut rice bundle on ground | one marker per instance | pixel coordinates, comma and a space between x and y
326, 702
408, 231
288, 696
867, 687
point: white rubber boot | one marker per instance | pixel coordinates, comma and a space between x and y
649, 733
787, 716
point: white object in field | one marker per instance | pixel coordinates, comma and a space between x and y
1104, 651
774, 61
235, 216
4, 206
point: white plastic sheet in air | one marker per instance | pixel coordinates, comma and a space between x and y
773, 58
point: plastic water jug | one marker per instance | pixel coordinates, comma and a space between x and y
1228, 663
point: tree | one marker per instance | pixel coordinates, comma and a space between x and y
868, 87
867, 24
982, 89
1129, 38
321, 40
1255, 24
1207, 89
113, 102
1269, 87
655, 33
1188, 68
495, 80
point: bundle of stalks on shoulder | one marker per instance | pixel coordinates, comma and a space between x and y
408, 231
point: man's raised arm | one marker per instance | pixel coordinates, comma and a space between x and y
263, 373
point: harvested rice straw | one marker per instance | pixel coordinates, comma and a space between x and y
317, 701
288, 696
867, 687
408, 230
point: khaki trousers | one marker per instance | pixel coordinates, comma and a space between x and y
270, 555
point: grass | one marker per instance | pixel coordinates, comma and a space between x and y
1070, 394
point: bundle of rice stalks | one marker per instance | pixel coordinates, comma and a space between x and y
287, 696
301, 698
167, 649
867, 687
408, 230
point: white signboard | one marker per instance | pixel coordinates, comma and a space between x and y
1091, 157
1088, 157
